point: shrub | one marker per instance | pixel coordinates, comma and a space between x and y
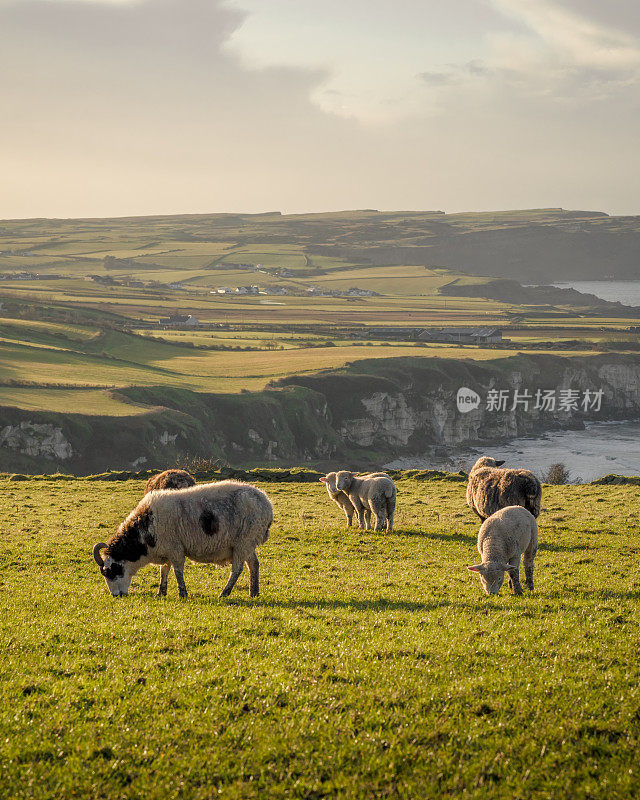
557, 475
193, 464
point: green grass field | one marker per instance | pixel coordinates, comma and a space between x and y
64, 366
372, 665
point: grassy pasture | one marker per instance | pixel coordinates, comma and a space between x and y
409, 300
59, 355
84, 401
370, 666
410, 281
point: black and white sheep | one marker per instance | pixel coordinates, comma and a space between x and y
376, 495
342, 500
219, 523
491, 488
169, 479
502, 539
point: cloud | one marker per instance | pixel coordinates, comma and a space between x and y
117, 105
437, 78
169, 106
563, 55
536, 47
572, 36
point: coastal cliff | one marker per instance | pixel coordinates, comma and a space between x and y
368, 412
411, 404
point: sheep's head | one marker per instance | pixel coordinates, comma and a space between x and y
344, 480
486, 461
329, 481
127, 550
117, 574
491, 575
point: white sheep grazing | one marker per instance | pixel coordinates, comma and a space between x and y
502, 539
376, 495
342, 500
217, 523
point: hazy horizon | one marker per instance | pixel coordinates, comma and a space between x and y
267, 212
161, 107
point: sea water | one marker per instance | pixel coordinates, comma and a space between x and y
602, 448
625, 292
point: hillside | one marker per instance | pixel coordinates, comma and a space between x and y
364, 413
541, 245
150, 338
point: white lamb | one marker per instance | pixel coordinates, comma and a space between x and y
342, 500
502, 539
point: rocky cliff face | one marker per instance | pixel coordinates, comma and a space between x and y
519, 396
374, 410
32, 439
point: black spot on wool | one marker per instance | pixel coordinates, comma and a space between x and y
131, 542
113, 571
209, 522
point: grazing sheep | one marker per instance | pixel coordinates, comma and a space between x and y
376, 495
218, 523
502, 539
491, 488
341, 499
169, 479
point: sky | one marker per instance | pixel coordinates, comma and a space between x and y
126, 107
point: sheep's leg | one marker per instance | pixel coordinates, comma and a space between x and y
349, 516
254, 569
514, 575
237, 565
390, 516
529, 557
367, 518
381, 518
361, 512
178, 568
165, 569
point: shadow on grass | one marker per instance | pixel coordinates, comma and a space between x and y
554, 547
467, 538
602, 594
355, 605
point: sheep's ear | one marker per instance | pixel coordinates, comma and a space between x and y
476, 568
500, 463
323, 479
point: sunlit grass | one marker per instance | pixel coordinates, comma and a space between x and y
370, 666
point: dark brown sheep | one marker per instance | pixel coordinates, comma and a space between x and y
169, 479
490, 488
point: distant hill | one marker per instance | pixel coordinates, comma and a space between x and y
531, 246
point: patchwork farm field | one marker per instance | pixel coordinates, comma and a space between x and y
51, 366
372, 665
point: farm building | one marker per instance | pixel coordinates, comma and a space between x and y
440, 335
464, 335
180, 321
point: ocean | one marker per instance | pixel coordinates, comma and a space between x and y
602, 448
625, 292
